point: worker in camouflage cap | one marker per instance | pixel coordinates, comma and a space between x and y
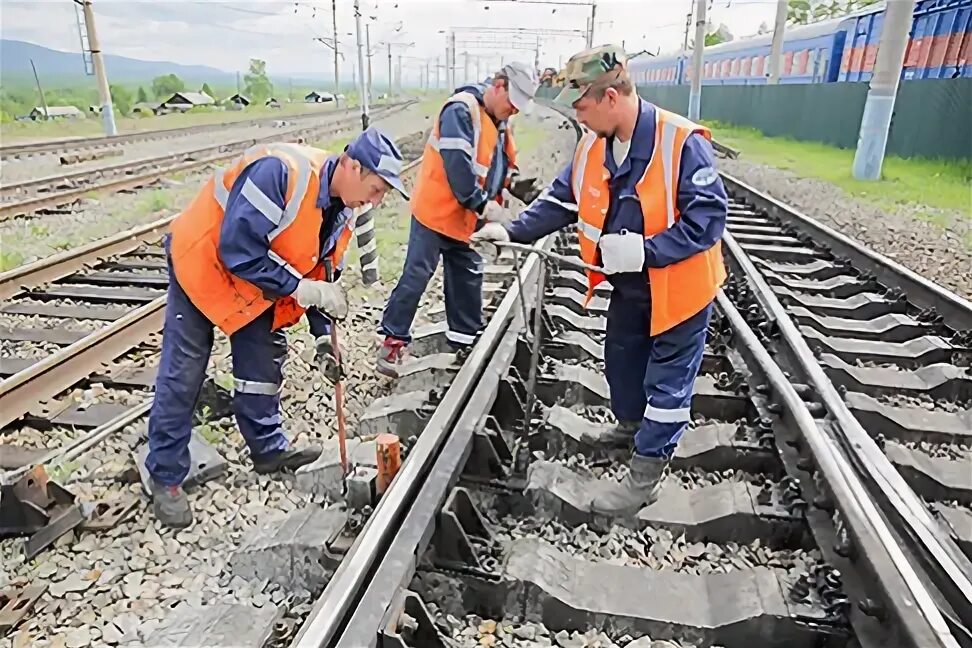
650, 209
587, 67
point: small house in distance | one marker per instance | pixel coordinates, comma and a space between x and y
188, 100
147, 108
318, 96
239, 100
272, 103
57, 112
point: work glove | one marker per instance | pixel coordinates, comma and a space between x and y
482, 240
329, 297
493, 212
624, 252
526, 189
327, 361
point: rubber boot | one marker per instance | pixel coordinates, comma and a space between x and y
638, 489
171, 506
292, 458
390, 355
621, 436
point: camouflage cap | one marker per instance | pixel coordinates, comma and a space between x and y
586, 67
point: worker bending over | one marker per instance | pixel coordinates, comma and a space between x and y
469, 159
261, 242
650, 209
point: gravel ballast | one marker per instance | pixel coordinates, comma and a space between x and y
906, 234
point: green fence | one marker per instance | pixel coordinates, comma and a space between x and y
932, 118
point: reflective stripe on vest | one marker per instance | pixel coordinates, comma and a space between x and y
225, 299
433, 203
682, 289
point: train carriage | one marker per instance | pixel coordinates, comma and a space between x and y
835, 50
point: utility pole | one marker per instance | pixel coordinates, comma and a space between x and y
536, 55
368, 49
776, 48
881, 93
695, 94
452, 36
391, 89
40, 90
107, 112
398, 74
465, 67
337, 76
361, 77
590, 33
685, 43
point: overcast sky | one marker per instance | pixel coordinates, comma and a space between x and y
226, 33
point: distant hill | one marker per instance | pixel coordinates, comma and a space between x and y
57, 65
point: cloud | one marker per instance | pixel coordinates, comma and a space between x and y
227, 33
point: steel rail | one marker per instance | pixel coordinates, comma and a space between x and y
921, 291
329, 614
950, 563
10, 190
15, 208
331, 611
60, 370
67, 262
81, 143
901, 584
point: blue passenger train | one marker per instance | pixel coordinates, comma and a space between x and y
836, 50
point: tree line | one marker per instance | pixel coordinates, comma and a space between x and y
19, 100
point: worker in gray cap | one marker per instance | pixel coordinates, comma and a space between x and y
470, 158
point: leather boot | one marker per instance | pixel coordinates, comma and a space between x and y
292, 458
638, 489
621, 436
171, 506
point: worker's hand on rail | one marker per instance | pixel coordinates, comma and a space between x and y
482, 240
526, 189
327, 361
624, 252
329, 297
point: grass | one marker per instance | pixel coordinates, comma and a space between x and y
93, 126
944, 184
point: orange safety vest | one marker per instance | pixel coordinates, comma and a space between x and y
682, 289
226, 300
433, 203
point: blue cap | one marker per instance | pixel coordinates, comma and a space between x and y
377, 152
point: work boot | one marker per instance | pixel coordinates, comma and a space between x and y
292, 458
390, 355
171, 506
638, 489
620, 436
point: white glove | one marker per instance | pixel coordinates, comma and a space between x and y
491, 232
482, 240
624, 252
493, 212
329, 297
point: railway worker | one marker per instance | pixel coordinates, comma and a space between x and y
650, 209
469, 159
261, 242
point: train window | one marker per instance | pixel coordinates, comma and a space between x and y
787, 64
811, 68
747, 66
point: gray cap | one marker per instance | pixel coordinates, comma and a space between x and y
522, 85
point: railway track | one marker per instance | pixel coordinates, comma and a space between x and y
22, 198
71, 145
779, 524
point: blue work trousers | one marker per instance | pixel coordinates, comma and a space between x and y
652, 377
187, 340
463, 275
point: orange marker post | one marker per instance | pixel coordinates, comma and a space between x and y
389, 451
